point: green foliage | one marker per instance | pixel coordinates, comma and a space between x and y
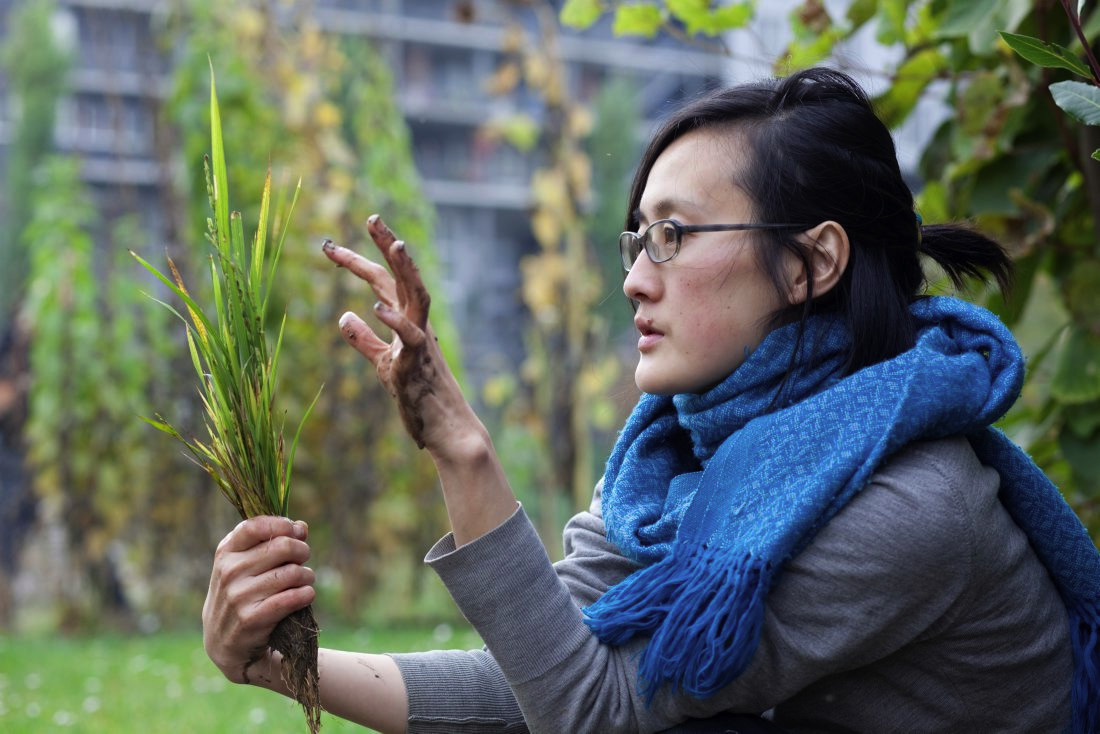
322, 106
614, 149
1042, 53
90, 462
581, 14
236, 367
1080, 101
637, 19
35, 69
634, 18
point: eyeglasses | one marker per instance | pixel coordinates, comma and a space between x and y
661, 239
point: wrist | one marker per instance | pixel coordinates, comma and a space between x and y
263, 670
464, 444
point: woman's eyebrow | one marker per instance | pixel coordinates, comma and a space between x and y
662, 209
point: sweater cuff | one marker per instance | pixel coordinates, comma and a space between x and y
505, 585
453, 691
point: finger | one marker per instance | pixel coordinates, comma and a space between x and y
279, 579
362, 337
261, 558
382, 235
411, 334
385, 240
268, 612
414, 297
376, 276
255, 530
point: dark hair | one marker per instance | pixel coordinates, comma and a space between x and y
818, 152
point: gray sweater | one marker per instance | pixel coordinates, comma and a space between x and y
919, 608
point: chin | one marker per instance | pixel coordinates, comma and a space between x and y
658, 382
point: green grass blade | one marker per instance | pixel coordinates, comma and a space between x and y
221, 177
259, 242
294, 450
193, 308
282, 238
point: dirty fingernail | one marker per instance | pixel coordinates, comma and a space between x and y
372, 219
327, 245
300, 529
346, 319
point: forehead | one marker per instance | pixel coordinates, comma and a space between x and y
696, 174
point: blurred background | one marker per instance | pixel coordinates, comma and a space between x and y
496, 137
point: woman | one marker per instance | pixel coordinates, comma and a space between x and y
807, 512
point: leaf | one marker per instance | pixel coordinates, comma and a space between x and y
520, 130
891, 21
1077, 376
1047, 55
962, 16
220, 193
978, 21
580, 14
910, 81
861, 11
1096, 154
731, 17
639, 19
698, 18
1079, 100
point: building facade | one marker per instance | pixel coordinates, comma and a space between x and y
440, 53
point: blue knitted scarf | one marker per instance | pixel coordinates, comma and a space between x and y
713, 492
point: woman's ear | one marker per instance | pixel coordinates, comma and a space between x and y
827, 248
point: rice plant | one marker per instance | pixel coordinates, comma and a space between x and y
236, 365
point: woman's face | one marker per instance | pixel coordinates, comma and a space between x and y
700, 313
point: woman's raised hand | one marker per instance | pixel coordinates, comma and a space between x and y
257, 580
411, 366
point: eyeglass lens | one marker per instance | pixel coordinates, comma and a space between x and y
661, 241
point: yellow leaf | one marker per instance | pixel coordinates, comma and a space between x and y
580, 121
504, 79
546, 228
326, 114
579, 168
512, 40
536, 70
548, 188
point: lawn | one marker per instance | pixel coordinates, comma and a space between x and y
162, 683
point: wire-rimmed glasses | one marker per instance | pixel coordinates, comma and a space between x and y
661, 240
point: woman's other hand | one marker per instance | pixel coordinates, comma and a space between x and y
411, 366
257, 580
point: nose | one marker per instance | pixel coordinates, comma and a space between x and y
642, 282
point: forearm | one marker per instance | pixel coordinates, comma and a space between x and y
363, 688
475, 490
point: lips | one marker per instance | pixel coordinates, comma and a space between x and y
649, 335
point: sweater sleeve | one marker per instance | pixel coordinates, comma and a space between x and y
888, 569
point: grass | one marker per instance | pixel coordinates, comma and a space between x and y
164, 683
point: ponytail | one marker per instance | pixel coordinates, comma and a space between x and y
965, 253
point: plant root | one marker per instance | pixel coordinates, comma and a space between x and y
295, 638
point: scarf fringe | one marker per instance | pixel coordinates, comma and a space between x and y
705, 612
1084, 625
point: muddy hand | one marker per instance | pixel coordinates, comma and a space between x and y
411, 367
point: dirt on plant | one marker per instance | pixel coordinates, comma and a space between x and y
295, 638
